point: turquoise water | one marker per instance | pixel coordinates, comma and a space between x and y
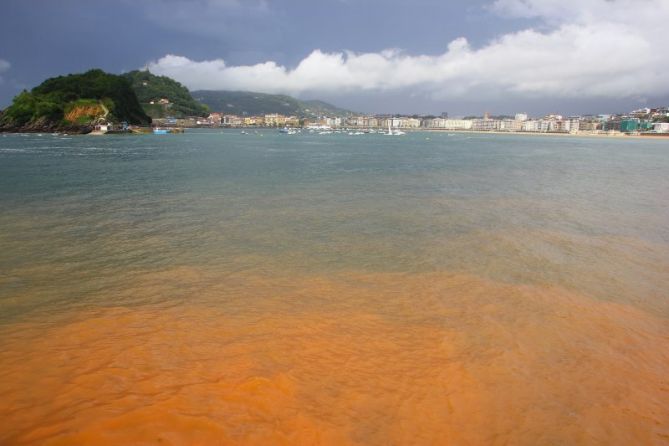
78, 213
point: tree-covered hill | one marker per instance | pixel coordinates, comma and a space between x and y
74, 102
251, 103
151, 88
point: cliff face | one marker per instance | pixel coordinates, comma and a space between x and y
73, 103
85, 113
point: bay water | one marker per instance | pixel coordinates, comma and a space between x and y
224, 288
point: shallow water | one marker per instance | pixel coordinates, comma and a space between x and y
218, 288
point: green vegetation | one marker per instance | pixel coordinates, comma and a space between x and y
151, 88
75, 99
256, 104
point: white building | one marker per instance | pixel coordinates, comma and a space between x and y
545, 125
101, 128
531, 126
332, 122
510, 125
485, 125
411, 123
521, 117
661, 127
232, 120
449, 124
573, 124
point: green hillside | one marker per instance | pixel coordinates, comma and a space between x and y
250, 103
149, 87
73, 102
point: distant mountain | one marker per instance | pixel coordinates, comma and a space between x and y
255, 104
74, 103
151, 88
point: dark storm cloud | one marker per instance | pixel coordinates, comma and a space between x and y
47, 38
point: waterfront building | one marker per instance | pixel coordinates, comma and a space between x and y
485, 125
332, 122
410, 123
102, 128
275, 120
589, 125
449, 124
232, 121
358, 121
530, 126
611, 125
629, 125
215, 118
510, 125
661, 127
574, 124
544, 125
561, 126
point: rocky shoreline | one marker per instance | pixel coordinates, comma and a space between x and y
44, 126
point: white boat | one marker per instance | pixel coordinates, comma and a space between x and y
392, 132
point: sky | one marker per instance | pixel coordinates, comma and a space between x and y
374, 56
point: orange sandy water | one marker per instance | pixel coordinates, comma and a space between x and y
348, 359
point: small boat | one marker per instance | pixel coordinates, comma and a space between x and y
158, 131
392, 132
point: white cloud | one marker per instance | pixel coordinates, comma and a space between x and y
4, 66
591, 48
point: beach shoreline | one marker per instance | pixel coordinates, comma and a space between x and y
580, 134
